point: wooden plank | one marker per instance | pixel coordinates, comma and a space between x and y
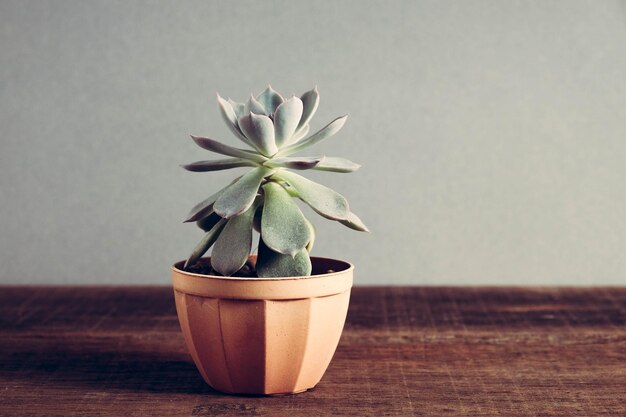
406, 351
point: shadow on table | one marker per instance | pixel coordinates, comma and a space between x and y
76, 366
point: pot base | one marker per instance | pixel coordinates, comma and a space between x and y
277, 394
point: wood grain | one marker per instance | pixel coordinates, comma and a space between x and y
405, 351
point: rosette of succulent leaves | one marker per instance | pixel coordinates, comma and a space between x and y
273, 129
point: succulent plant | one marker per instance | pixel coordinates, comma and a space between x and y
263, 199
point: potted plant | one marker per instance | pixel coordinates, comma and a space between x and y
267, 323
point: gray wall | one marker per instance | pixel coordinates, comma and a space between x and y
492, 133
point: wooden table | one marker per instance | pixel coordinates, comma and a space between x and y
412, 351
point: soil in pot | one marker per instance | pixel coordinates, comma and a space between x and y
203, 267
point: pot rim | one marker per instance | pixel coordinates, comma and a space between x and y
349, 267
278, 288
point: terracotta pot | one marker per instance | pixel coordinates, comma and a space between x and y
263, 335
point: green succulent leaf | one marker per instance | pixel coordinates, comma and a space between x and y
209, 238
239, 108
283, 226
205, 207
229, 114
219, 164
270, 99
286, 119
202, 209
239, 196
260, 130
258, 214
272, 264
310, 101
355, 223
233, 246
297, 162
309, 246
326, 132
215, 146
292, 191
207, 223
334, 164
323, 200
300, 133
253, 106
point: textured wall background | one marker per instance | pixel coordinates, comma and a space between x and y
492, 134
